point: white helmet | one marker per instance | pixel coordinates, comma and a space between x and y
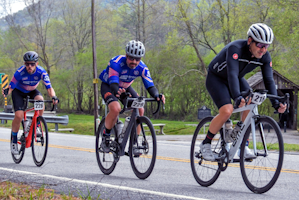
135, 49
261, 33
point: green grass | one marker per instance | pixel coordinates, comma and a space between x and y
84, 124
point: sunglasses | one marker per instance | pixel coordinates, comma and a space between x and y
30, 64
261, 45
133, 58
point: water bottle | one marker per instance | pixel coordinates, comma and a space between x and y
228, 128
121, 136
27, 124
119, 127
236, 130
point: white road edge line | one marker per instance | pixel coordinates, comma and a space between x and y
105, 185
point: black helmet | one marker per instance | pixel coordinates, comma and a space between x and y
30, 56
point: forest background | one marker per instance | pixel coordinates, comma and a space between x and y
181, 37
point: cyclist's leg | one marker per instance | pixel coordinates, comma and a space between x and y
111, 118
18, 103
220, 94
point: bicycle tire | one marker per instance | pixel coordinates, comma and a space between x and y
105, 161
261, 173
204, 172
146, 144
21, 141
40, 141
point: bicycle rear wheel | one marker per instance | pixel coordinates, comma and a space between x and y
21, 146
143, 148
204, 172
261, 173
105, 161
40, 141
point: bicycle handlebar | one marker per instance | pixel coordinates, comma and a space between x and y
130, 99
54, 107
282, 99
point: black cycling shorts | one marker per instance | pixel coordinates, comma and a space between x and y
109, 97
18, 98
219, 89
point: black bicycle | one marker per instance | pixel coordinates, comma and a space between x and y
142, 146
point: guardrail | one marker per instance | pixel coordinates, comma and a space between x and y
64, 120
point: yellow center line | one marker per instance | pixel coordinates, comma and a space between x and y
173, 159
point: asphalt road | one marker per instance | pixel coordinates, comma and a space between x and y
71, 167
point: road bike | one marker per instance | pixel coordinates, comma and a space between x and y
264, 137
144, 142
35, 133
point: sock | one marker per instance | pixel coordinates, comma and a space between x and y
247, 142
107, 132
14, 137
38, 123
208, 138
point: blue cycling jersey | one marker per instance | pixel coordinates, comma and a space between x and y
26, 82
118, 71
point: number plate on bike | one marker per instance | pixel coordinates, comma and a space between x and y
38, 105
258, 98
138, 104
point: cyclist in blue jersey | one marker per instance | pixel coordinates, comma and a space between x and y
117, 79
23, 84
225, 79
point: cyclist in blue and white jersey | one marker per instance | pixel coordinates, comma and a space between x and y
117, 78
23, 84
225, 79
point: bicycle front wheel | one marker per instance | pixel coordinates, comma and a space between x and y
261, 172
106, 161
204, 172
40, 141
21, 146
143, 147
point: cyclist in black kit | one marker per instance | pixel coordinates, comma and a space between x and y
225, 79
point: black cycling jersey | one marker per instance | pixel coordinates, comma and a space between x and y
235, 60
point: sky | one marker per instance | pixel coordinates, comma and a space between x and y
15, 6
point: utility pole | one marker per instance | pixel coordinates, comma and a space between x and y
95, 76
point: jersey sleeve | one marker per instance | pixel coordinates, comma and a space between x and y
146, 78
46, 79
268, 75
232, 56
114, 70
15, 79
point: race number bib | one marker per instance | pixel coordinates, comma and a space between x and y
258, 98
138, 104
38, 105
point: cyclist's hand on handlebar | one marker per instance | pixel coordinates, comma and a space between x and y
120, 93
161, 96
239, 102
55, 100
5, 92
282, 108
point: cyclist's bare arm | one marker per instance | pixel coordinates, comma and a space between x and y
52, 93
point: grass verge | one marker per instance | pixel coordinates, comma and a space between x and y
12, 191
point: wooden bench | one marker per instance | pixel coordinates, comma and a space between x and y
158, 132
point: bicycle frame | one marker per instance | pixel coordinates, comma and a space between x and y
33, 124
247, 122
134, 115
